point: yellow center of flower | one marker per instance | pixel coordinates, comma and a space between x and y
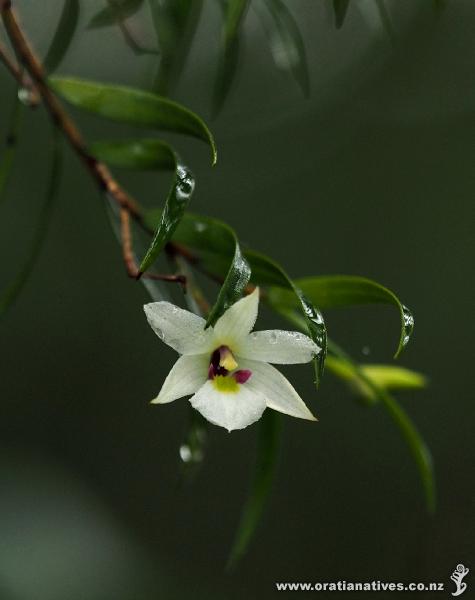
225, 385
227, 360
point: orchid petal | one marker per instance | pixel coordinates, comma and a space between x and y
278, 347
278, 392
232, 410
182, 330
188, 374
238, 320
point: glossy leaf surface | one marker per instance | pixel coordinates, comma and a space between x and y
218, 251
136, 154
265, 272
133, 106
332, 291
175, 206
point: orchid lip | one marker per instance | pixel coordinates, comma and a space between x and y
223, 364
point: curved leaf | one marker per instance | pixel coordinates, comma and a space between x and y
177, 201
133, 106
234, 12
331, 291
140, 155
418, 447
340, 8
217, 252
267, 453
64, 33
236, 281
9, 294
286, 43
114, 12
265, 272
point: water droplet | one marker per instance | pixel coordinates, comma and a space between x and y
188, 454
24, 96
185, 184
408, 321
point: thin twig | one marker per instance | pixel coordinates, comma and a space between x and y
129, 258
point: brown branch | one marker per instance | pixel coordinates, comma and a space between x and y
129, 258
62, 120
24, 83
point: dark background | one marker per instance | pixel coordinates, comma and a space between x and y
373, 175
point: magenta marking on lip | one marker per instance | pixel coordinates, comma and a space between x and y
242, 375
211, 371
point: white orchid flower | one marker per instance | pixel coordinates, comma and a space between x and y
226, 367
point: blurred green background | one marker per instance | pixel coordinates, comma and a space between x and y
372, 175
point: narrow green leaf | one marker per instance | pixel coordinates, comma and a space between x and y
266, 462
133, 106
11, 143
211, 240
418, 447
140, 155
114, 12
340, 8
285, 41
387, 377
9, 294
234, 12
63, 36
264, 272
218, 251
175, 23
177, 201
236, 281
332, 291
